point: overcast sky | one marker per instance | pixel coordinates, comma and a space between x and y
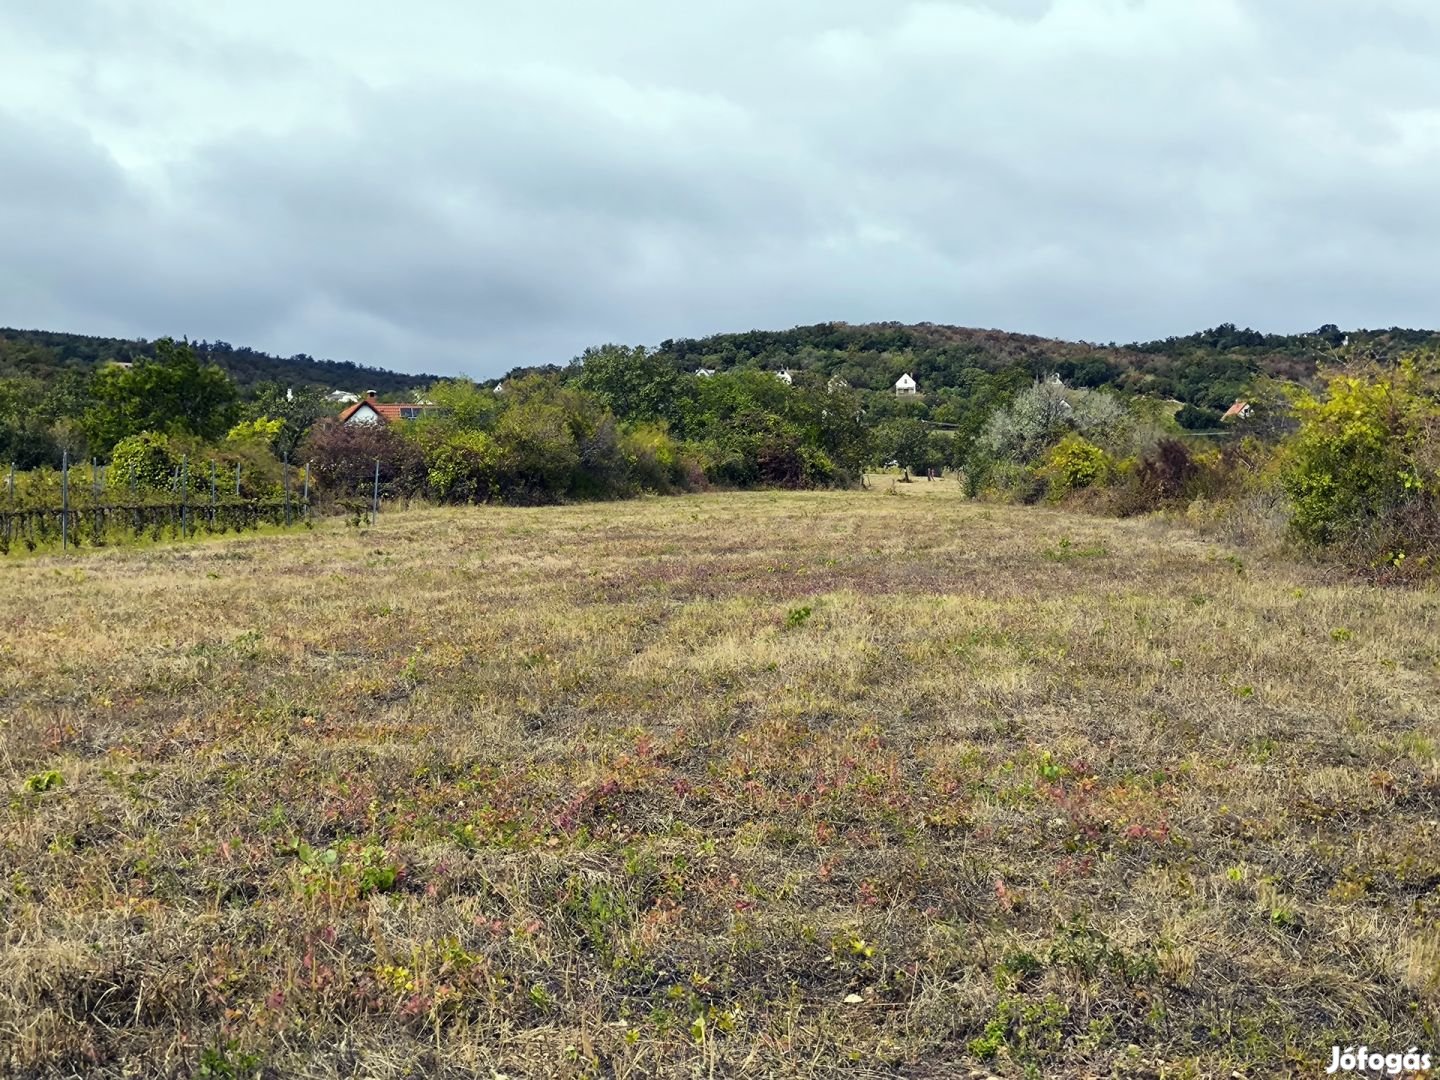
466, 185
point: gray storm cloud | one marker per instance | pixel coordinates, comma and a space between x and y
461, 188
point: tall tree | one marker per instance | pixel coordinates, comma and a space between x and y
907, 442
173, 393
25, 439
296, 408
632, 383
466, 405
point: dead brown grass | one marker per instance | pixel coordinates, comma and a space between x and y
765, 784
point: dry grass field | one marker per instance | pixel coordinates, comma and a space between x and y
819, 785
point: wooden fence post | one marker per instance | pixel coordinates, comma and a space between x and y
64, 500
99, 514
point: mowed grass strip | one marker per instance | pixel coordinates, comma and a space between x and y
749, 784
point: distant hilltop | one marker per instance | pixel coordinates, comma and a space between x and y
45, 353
1208, 369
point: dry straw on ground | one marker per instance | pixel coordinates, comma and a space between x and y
830, 784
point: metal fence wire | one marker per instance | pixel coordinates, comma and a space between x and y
108, 514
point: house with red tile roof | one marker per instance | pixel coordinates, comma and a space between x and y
370, 410
1239, 411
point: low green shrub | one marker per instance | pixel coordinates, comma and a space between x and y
145, 461
1364, 468
1074, 463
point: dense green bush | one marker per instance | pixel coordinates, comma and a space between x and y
1196, 419
1075, 463
462, 466
633, 382
656, 462
540, 441
31, 425
539, 454
145, 462
1362, 469
1011, 481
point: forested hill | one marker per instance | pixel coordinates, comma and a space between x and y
45, 354
1208, 369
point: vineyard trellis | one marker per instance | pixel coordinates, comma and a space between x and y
50, 510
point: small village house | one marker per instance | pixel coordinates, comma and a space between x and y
905, 386
370, 410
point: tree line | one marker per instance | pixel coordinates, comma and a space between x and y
622, 420
45, 355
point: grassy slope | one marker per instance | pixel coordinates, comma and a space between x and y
1032, 788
